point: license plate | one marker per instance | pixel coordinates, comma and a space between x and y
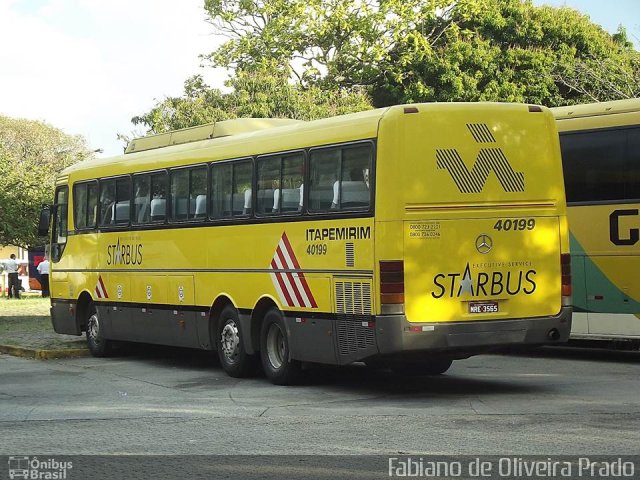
483, 307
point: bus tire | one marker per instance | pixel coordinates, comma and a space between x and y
274, 350
98, 345
235, 361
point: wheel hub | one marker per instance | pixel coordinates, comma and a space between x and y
230, 340
275, 346
93, 326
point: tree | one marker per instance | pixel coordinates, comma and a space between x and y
262, 90
430, 50
31, 155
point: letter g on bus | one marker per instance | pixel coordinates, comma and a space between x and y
614, 228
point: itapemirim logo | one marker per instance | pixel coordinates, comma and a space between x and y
24, 467
489, 159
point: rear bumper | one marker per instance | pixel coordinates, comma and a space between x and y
393, 334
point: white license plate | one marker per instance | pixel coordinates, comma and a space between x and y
483, 307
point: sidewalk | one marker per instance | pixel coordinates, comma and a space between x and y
43, 345
26, 331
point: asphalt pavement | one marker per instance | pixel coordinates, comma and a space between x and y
165, 401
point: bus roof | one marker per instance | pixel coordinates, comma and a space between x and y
245, 139
242, 140
596, 109
207, 131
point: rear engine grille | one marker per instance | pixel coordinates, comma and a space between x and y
353, 305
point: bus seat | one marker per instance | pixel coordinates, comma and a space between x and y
290, 199
158, 209
199, 207
247, 202
320, 198
179, 208
238, 203
355, 194
142, 209
121, 212
226, 206
265, 200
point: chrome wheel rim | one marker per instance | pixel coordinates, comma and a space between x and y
275, 346
93, 328
230, 340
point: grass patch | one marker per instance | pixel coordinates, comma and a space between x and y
26, 323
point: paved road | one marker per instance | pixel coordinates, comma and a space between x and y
170, 401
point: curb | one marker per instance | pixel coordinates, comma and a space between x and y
40, 354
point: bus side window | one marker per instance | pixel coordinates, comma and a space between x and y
594, 165
123, 201
197, 190
179, 193
59, 232
187, 184
340, 177
242, 179
220, 191
324, 172
280, 183
268, 184
141, 198
115, 201
354, 187
158, 193
80, 206
107, 200
632, 188
92, 204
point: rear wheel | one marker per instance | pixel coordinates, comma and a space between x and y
230, 345
274, 350
98, 345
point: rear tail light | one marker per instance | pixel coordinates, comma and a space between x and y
392, 286
565, 266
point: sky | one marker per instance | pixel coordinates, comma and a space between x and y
88, 66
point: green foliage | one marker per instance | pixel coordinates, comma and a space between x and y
31, 155
431, 50
261, 91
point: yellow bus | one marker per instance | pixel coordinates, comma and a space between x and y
601, 154
407, 237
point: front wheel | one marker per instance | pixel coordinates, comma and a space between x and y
275, 352
230, 345
98, 345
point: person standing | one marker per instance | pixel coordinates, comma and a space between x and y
43, 270
11, 266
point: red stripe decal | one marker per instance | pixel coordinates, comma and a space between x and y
292, 280
303, 280
281, 283
103, 287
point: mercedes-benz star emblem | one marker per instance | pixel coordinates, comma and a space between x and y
484, 243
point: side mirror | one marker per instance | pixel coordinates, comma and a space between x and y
43, 223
